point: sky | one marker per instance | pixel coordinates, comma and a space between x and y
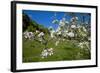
45, 18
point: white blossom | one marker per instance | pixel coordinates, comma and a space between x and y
81, 45
84, 44
84, 29
62, 23
37, 31
57, 42
71, 34
52, 33
73, 26
47, 52
50, 51
55, 21
41, 34
44, 53
74, 18
28, 35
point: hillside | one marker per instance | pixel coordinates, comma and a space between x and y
31, 25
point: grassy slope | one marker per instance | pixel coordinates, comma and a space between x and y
66, 50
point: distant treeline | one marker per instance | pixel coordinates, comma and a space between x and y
31, 25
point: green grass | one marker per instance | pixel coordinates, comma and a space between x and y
66, 50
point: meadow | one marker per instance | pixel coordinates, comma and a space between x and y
66, 50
